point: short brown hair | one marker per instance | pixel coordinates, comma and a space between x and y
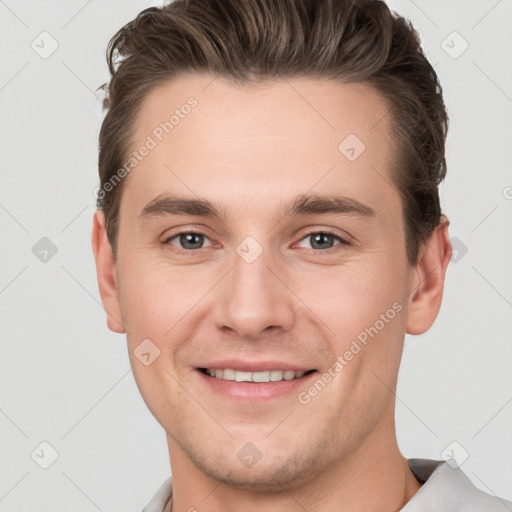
245, 40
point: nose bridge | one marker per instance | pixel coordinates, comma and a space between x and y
252, 298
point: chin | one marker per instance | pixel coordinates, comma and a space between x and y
267, 475
263, 480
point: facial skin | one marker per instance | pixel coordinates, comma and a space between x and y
251, 150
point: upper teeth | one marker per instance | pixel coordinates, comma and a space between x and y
266, 376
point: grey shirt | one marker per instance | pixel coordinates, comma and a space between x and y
445, 488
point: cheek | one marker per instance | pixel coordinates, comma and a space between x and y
351, 297
154, 297
153, 312
159, 388
365, 309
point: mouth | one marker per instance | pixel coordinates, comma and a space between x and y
259, 377
252, 381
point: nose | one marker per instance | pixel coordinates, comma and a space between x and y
254, 297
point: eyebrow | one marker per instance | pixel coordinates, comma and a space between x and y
305, 204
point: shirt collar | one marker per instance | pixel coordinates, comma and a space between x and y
446, 487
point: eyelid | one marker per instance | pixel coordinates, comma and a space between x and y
342, 240
313, 231
167, 241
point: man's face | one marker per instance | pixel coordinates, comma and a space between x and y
254, 290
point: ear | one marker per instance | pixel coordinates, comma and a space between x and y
106, 273
426, 281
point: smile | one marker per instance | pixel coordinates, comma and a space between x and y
257, 377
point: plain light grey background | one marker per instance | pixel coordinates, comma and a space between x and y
65, 379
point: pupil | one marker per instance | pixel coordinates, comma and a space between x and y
320, 238
187, 241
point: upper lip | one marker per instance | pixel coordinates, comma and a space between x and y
254, 366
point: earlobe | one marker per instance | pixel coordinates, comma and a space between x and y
106, 273
427, 280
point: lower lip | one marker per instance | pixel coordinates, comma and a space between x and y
255, 390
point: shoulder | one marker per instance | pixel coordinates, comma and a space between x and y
160, 499
446, 487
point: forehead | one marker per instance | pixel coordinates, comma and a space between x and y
209, 137
281, 108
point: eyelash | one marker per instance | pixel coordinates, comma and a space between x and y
342, 241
